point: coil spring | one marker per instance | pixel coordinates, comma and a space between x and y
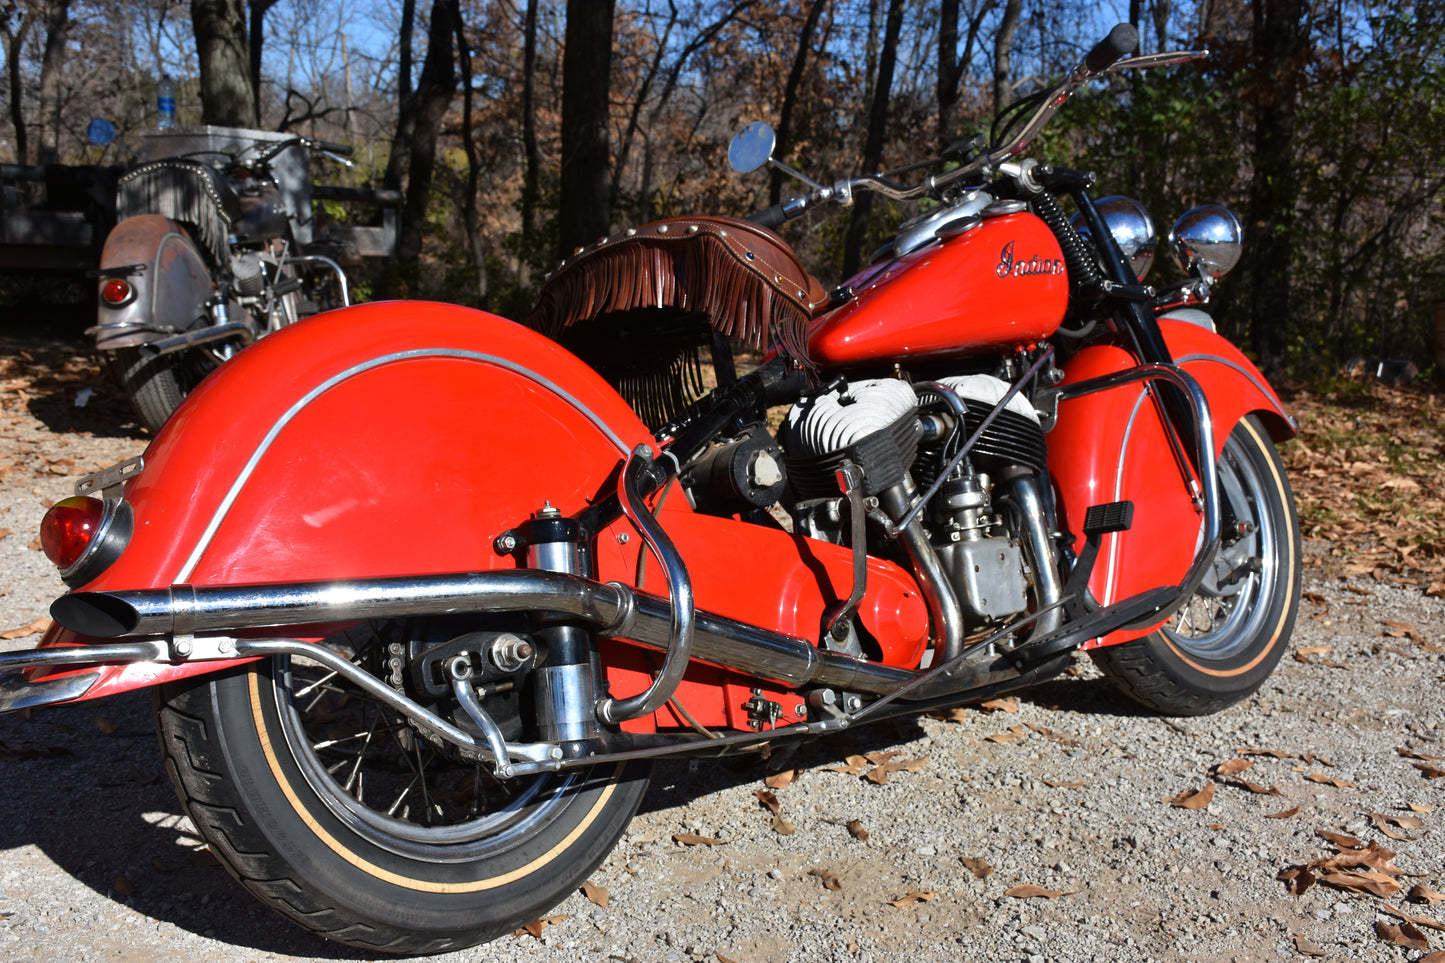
1083, 264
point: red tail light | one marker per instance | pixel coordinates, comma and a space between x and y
116, 292
82, 536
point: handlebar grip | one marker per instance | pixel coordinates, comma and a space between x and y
1123, 39
768, 216
343, 149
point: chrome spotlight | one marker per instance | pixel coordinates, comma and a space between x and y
1132, 228
1207, 239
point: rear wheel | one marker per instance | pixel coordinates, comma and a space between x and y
156, 384
1225, 641
330, 809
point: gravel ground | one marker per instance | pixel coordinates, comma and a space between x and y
1063, 789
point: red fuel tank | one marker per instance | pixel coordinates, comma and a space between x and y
1003, 282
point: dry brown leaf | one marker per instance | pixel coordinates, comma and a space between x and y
122, 886
1193, 798
1383, 821
879, 776
830, 880
1357, 589
34, 545
1014, 732
1272, 753
1313, 649
1403, 935
1030, 891
106, 726
1429, 771
1420, 893
856, 828
1414, 920
1231, 766
1000, 705
977, 866
1309, 759
1412, 754
34, 628
1064, 785
782, 827
1297, 880
1340, 839
1424, 808
913, 896
1321, 778
5, 531
1436, 590
1362, 881
1287, 814
1400, 630
951, 715
1256, 788
1306, 946
725, 959
597, 894
688, 839
1375, 856
160, 865
536, 927
880, 758
852, 766
780, 779
769, 801
1437, 957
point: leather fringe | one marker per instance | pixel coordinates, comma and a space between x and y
181, 190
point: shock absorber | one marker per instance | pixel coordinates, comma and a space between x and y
565, 684
1082, 262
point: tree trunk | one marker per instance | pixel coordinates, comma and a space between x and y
790, 96
52, 68
532, 174
258, 36
1003, 42
14, 44
586, 205
400, 155
474, 171
228, 97
434, 91
873, 148
1280, 43
950, 67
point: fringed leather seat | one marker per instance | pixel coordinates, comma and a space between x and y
639, 306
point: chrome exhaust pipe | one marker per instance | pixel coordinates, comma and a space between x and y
614, 609
190, 339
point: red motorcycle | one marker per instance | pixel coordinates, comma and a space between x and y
422, 595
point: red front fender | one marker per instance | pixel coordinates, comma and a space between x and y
1111, 446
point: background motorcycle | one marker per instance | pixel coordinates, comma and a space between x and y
419, 627
215, 247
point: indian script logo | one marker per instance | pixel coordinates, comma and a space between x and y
1010, 268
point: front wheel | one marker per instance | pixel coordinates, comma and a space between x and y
330, 809
1225, 641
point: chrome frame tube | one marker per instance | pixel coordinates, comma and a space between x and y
1024, 493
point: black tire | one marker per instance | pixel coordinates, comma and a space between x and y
157, 384
464, 859
1222, 645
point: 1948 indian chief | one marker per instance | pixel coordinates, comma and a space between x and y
422, 597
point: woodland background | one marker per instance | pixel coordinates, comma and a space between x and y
519, 129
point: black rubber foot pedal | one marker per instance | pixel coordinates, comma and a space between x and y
1109, 517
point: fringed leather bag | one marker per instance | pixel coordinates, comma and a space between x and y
639, 306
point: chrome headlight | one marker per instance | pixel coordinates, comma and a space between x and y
1132, 228
1207, 239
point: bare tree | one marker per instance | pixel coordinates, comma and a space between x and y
586, 205
433, 95
1003, 42
877, 127
227, 94
17, 22
790, 94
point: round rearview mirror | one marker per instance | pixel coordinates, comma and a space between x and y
100, 132
752, 147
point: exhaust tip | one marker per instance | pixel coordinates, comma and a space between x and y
95, 614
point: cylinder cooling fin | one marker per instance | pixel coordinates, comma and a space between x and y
872, 419
1014, 438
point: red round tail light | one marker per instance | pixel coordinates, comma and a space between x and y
82, 536
116, 292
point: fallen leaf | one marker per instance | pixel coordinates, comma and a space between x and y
1437, 957
1321, 778
1273, 753
769, 801
106, 726
1413, 920
952, 715
880, 758
1357, 589
830, 881
38, 626
879, 776
1313, 649
34, 545
1403, 935
913, 896
1297, 880
856, 828
5, 531
688, 839
1064, 785
1014, 732
160, 865
780, 779
1030, 891
977, 866
1340, 839
1400, 630
536, 927
1306, 947
1193, 798
1232, 766
1429, 771
1256, 788
1420, 808
1420, 893
122, 886
597, 894
782, 827
1383, 821
1000, 705
1287, 814
1362, 881
1412, 754
853, 765
1309, 759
